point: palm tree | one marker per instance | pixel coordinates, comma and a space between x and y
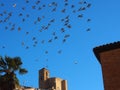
8, 68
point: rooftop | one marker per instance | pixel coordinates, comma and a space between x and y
105, 47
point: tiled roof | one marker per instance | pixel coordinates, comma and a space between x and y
105, 47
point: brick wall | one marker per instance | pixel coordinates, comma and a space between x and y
110, 62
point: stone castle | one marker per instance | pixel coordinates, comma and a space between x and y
47, 83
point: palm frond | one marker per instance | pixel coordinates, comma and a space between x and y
2, 63
23, 71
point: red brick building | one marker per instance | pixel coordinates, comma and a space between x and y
109, 57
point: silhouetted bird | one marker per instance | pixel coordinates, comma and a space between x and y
62, 30
27, 33
88, 20
4, 12
72, 6
80, 16
19, 28
42, 41
69, 26
89, 5
60, 51
12, 29
54, 9
36, 42
66, 36
74, 11
34, 38
50, 40
65, 0
1, 21
34, 45
88, 29
10, 14
52, 20
37, 2
33, 7
1, 14
38, 19
27, 47
2, 4
46, 52
39, 8
22, 43
63, 10
3, 47
20, 14
62, 19
75, 62
23, 8
81, 2
23, 20
55, 37
6, 27
53, 33
44, 5
85, 2
66, 4
27, 1
27, 15
64, 40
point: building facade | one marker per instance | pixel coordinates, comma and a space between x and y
47, 83
109, 57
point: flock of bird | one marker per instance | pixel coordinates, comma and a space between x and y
54, 17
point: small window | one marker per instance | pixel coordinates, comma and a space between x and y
41, 78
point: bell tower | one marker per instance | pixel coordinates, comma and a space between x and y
50, 83
43, 76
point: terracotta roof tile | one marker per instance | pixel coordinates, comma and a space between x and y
106, 47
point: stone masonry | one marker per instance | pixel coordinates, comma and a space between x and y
47, 83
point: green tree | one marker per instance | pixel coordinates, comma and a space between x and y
8, 68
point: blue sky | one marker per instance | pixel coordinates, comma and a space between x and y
73, 59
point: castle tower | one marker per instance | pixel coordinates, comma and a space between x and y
109, 58
47, 83
43, 77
